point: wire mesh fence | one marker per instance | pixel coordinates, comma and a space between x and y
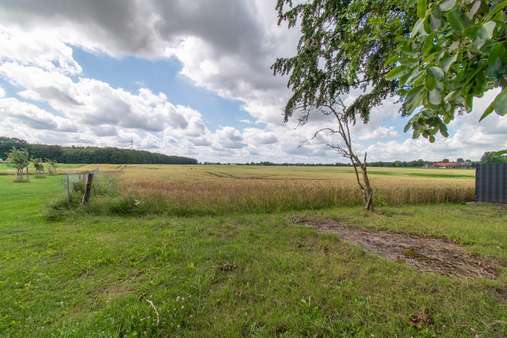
77, 186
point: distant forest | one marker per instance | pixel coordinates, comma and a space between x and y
393, 164
87, 155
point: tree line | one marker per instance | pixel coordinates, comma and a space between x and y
88, 155
387, 164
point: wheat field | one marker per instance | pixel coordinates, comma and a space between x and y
219, 189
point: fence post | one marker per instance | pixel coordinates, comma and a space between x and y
88, 188
67, 181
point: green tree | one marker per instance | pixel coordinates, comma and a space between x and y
494, 157
344, 46
20, 160
456, 51
51, 166
7, 143
38, 164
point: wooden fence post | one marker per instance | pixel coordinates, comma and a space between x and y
67, 184
88, 188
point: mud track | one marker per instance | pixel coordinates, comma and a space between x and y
424, 253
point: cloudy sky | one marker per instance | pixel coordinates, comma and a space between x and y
184, 77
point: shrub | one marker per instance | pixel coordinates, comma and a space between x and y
127, 205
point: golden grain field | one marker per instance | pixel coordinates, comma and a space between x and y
219, 189
231, 188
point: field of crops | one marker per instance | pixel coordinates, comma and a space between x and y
107, 274
221, 189
186, 190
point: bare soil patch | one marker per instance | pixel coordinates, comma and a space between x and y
424, 253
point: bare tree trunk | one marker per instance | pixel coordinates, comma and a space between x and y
368, 190
363, 180
360, 166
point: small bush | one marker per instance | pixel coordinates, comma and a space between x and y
127, 206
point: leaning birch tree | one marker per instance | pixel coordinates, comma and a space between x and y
344, 46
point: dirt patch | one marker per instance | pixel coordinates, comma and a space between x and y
424, 253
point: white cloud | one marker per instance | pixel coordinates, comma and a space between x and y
32, 116
378, 133
230, 138
96, 103
36, 48
226, 51
257, 136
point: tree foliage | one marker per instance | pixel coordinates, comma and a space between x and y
494, 157
7, 143
38, 164
456, 51
344, 45
91, 154
20, 159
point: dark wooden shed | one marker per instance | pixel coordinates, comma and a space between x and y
491, 183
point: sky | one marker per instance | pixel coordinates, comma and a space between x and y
184, 77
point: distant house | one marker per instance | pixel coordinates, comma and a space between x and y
452, 165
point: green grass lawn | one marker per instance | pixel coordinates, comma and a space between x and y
236, 275
60, 167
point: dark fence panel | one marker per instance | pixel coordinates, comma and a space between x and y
491, 183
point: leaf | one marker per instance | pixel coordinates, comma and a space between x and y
415, 100
499, 7
448, 62
456, 21
431, 82
469, 102
421, 8
413, 76
447, 5
392, 59
434, 97
443, 130
428, 44
407, 126
395, 73
450, 97
479, 42
487, 29
488, 110
497, 61
418, 28
437, 72
501, 103
474, 9
436, 20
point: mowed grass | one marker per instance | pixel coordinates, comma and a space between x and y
238, 275
219, 190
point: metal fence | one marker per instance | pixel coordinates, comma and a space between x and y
491, 183
77, 182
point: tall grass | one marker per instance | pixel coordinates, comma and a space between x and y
205, 190
220, 197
